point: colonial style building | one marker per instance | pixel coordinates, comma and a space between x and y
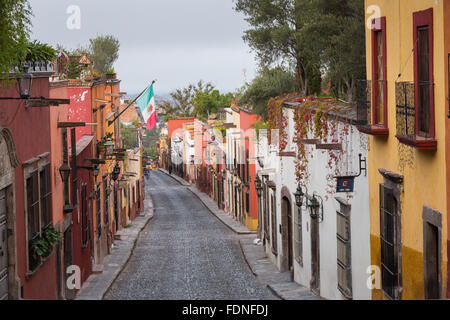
404, 106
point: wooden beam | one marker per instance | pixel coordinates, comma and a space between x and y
100, 100
287, 154
96, 161
114, 95
309, 141
329, 146
46, 102
71, 124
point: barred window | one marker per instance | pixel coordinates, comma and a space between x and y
274, 223
388, 225
84, 216
34, 228
46, 197
105, 201
344, 263
98, 207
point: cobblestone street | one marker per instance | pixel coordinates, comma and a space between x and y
185, 253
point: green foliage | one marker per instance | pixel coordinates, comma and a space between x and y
206, 103
129, 135
110, 71
267, 84
104, 52
318, 37
15, 27
37, 51
42, 246
180, 104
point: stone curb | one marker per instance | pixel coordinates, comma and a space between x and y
224, 217
278, 283
97, 285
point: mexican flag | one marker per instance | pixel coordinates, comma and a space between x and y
146, 103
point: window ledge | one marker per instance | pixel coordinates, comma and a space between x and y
418, 142
29, 273
375, 130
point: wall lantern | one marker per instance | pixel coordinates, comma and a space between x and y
109, 145
25, 82
299, 196
116, 172
316, 208
96, 170
258, 186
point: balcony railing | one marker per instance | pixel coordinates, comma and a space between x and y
405, 110
406, 117
364, 108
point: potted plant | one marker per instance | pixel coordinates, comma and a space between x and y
111, 74
42, 246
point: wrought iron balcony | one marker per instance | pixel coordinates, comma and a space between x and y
364, 105
407, 120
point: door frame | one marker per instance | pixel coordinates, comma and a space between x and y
286, 232
433, 218
9, 159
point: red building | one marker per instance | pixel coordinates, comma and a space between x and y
25, 192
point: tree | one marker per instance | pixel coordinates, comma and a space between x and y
276, 37
180, 102
104, 51
15, 27
206, 103
319, 38
267, 84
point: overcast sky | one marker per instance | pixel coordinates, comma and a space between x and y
175, 41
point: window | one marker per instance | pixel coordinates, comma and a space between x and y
379, 83
84, 216
423, 73
247, 201
298, 237
98, 207
105, 201
274, 222
388, 225
34, 228
344, 269
39, 209
46, 197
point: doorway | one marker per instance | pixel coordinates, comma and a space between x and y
286, 222
68, 258
4, 292
315, 257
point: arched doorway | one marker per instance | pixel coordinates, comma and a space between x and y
287, 261
9, 281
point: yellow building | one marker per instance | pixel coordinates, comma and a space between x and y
403, 107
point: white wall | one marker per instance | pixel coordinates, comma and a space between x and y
353, 144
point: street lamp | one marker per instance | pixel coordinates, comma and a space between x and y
116, 172
109, 145
64, 171
299, 196
258, 186
25, 85
96, 170
314, 207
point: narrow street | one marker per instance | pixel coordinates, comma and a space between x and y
185, 253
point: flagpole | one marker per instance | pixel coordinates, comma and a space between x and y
130, 104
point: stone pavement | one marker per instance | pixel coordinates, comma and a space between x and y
279, 283
95, 287
264, 270
234, 225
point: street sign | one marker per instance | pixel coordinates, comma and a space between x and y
345, 184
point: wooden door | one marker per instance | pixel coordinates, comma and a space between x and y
3, 247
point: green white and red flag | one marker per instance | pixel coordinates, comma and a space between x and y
147, 106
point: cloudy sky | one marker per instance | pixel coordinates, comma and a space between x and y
176, 41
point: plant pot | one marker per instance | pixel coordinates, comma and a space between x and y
111, 76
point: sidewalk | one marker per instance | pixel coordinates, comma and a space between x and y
98, 284
279, 283
266, 273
